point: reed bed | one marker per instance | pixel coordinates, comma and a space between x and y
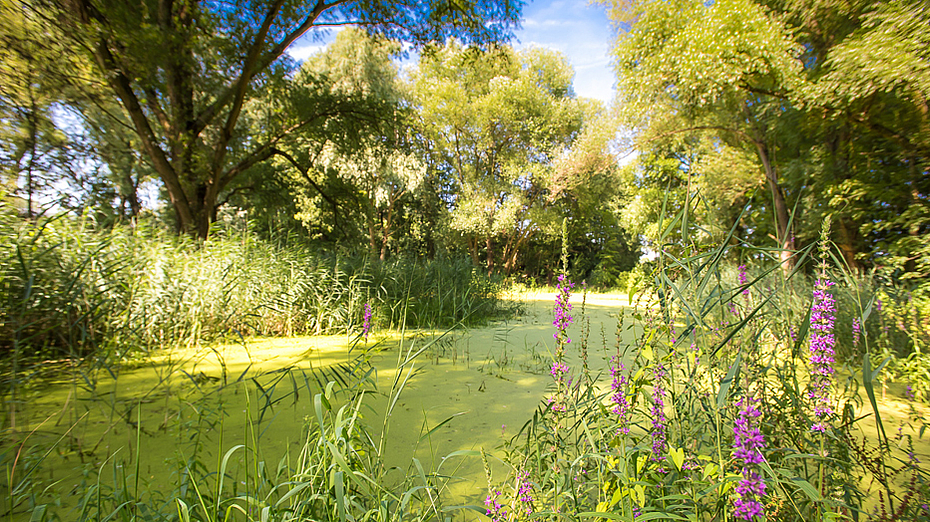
743, 395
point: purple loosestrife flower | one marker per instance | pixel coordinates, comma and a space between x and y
743, 278
856, 330
821, 351
366, 321
558, 371
562, 309
658, 416
495, 509
525, 492
621, 404
562, 320
748, 444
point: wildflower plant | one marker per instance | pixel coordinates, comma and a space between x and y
619, 385
563, 319
707, 410
366, 320
747, 451
822, 342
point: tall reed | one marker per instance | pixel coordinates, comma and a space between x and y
725, 411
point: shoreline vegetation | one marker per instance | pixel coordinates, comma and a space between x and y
624, 410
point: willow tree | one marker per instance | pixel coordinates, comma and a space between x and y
34, 151
718, 71
868, 102
185, 70
495, 123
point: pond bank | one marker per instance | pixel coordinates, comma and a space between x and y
468, 390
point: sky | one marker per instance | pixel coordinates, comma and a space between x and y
581, 32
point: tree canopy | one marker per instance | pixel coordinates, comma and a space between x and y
185, 71
764, 115
824, 103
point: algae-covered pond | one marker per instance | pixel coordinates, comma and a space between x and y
89, 430
191, 405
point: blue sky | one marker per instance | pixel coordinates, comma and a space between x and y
581, 32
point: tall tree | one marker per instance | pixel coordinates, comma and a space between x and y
185, 70
867, 102
495, 123
691, 69
34, 151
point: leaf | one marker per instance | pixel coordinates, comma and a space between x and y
678, 456
38, 514
728, 381
618, 494
808, 489
870, 391
878, 370
648, 353
183, 512
640, 492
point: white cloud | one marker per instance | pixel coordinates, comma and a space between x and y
304, 51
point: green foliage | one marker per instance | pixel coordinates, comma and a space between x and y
514, 152
711, 336
334, 470
824, 103
185, 74
70, 289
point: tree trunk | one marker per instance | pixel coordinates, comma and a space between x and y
386, 231
489, 245
783, 236
847, 236
473, 250
170, 126
372, 242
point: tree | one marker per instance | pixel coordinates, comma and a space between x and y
35, 151
723, 70
184, 71
359, 163
495, 122
867, 101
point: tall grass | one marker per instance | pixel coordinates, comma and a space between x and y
708, 339
715, 356
337, 472
69, 289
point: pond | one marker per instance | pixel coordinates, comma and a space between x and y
182, 411
467, 390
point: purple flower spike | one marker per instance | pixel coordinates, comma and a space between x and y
748, 444
621, 404
562, 320
822, 352
856, 330
743, 278
495, 509
366, 321
562, 308
525, 492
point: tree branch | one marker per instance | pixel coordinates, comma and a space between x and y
737, 132
123, 89
241, 86
304, 172
213, 109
